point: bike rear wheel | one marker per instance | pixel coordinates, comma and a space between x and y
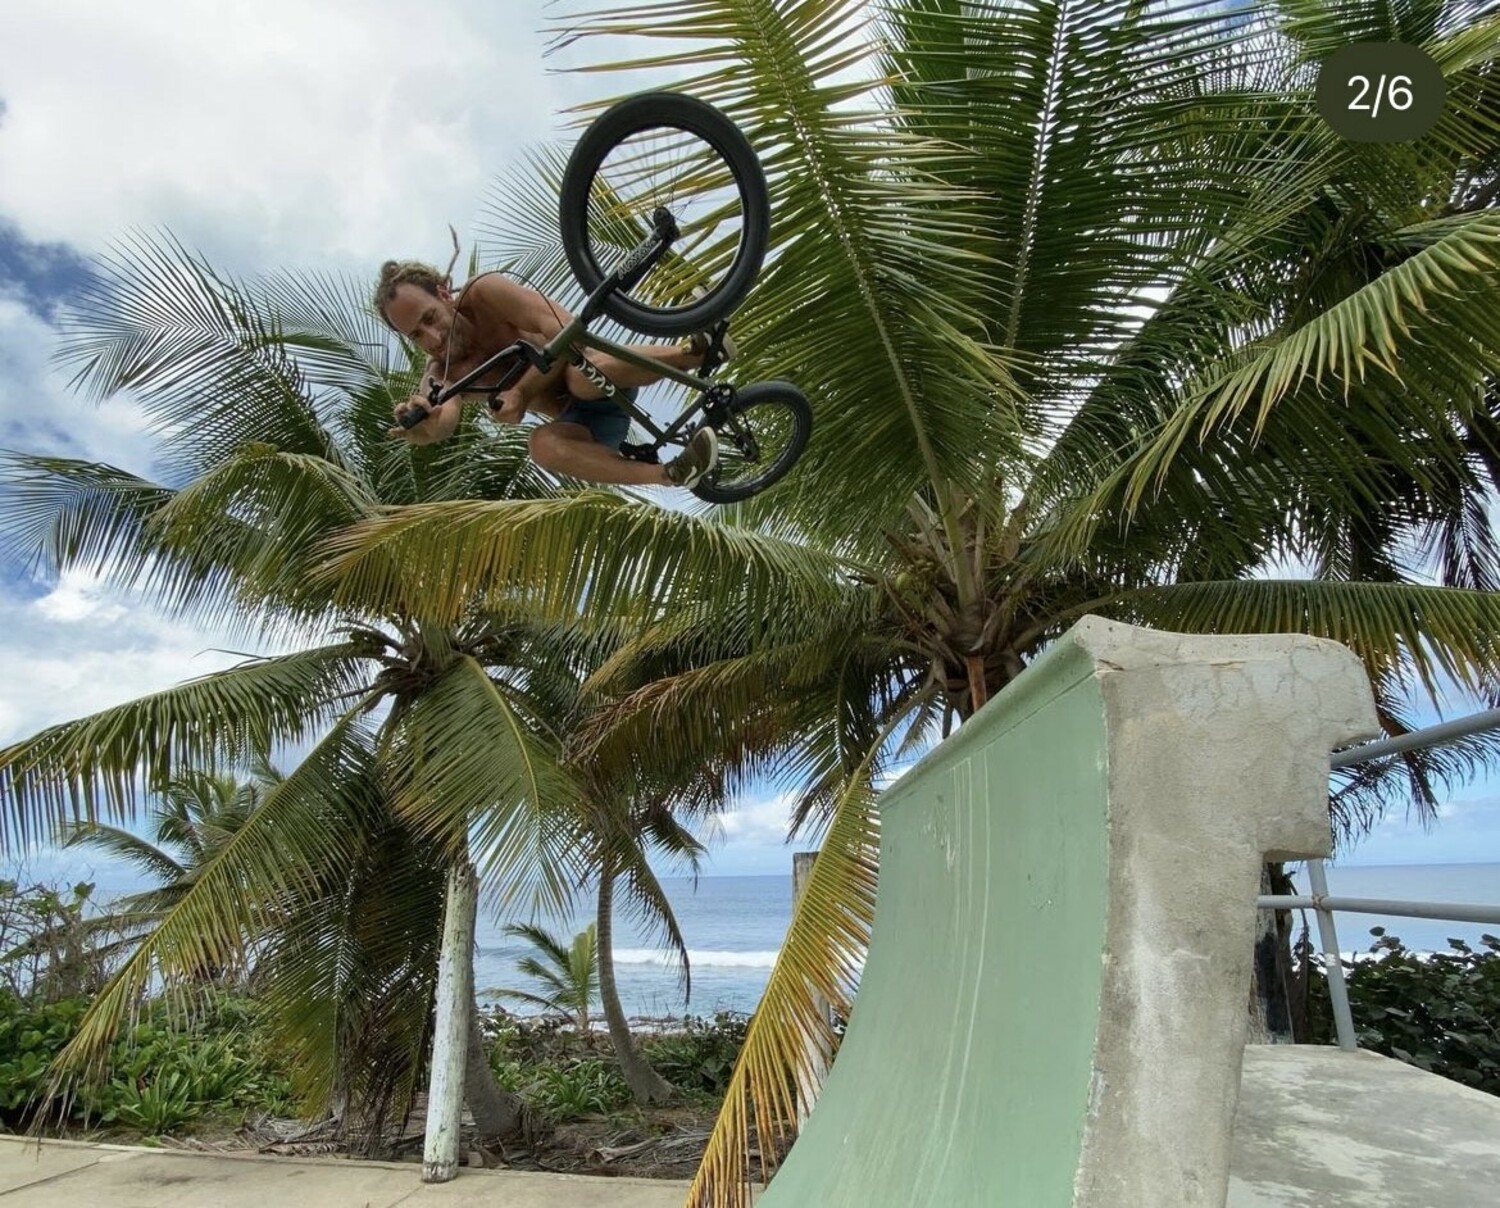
762, 433
665, 149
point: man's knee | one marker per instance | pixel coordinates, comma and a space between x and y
548, 447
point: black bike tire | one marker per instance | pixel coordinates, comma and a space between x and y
645, 111
782, 393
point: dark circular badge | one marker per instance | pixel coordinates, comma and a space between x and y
1380, 92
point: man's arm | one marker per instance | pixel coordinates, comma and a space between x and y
536, 319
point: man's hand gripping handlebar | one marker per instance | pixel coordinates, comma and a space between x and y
523, 354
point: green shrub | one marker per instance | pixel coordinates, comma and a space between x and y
30, 1037
160, 1106
581, 1089
160, 1074
510, 1075
702, 1055
1439, 1013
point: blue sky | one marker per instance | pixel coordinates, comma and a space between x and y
329, 135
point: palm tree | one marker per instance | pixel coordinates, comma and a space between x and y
195, 815
1097, 317
568, 974
631, 806
421, 743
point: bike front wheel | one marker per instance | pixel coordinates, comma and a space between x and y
762, 433
666, 150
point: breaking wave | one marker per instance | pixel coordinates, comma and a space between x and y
699, 959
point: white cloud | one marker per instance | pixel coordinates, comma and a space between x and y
78, 596
83, 647
311, 132
760, 822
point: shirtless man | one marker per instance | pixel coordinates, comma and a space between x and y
584, 430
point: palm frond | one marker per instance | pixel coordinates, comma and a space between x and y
594, 552
1364, 793
465, 763
61, 513
124, 845
307, 825
68, 771
1407, 634
325, 322
197, 351
349, 971
259, 515
523, 231
819, 959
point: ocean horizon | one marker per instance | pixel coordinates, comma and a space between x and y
734, 927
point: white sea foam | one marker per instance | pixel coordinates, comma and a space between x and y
699, 959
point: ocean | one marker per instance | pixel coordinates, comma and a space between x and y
734, 927
1471, 883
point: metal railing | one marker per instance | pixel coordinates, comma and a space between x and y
1324, 904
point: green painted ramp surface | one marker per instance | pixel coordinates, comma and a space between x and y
1053, 1012
963, 1078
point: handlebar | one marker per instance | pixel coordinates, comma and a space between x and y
528, 355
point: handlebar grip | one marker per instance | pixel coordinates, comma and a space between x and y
412, 416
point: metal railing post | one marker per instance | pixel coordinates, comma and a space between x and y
1333, 963
1432, 736
1324, 904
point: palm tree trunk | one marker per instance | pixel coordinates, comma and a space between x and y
978, 690
646, 1085
1270, 1000
450, 1034
497, 1113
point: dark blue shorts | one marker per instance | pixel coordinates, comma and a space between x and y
604, 419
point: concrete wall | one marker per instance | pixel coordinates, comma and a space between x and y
1053, 1008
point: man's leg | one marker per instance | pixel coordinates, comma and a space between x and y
566, 448
625, 375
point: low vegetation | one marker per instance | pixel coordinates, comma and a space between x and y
1438, 1011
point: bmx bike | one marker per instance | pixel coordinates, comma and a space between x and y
665, 220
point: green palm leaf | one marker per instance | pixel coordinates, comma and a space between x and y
61, 513
462, 754
311, 824
68, 771
820, 958
1433, 632
123, 845
195, 349
593, 550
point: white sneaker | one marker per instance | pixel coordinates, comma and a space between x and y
697, 460
698, 344
699, 341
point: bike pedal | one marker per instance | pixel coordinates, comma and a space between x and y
646, 453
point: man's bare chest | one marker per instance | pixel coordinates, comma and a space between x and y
481, 348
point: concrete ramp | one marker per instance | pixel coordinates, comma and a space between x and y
1053, 1011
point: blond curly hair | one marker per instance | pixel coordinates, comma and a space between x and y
396, 273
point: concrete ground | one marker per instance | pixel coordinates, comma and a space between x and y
1316, 1128
61, 1174
1321, 1128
